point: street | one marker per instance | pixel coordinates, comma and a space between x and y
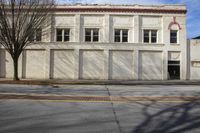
49, 116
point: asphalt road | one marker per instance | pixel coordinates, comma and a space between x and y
23, 116
26, 116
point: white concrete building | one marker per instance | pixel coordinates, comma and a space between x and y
133, 42
194, 59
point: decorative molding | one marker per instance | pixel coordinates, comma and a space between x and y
130, 10
174, 22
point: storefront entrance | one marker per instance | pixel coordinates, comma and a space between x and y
173, 70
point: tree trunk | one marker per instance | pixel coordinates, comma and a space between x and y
15, 64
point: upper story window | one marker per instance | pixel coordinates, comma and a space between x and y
173, 36
121, 35
37, 35
150, 36
91, 35
62, 35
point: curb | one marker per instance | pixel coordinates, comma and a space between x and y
100, 98
99, 82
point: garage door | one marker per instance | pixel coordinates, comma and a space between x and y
121, 65
151, 65
62, 64
35, 64
91, 64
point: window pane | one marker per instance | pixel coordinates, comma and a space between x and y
117, 38
117, 35
153, 36
88, 38
38, 35
95, 38
146, 39
88, 32
124, 39
153, 39
146, 36
146, 33
173, 36
59, 35
124, 35
88, 35
124, 32
59, 38
66, 35
96, 32
31, 38
66, 38
173, 40
66, 32
117, 32
153, 33
95, 35
59, 32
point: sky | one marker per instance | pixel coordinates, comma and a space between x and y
193, 10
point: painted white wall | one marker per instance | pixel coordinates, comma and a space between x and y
105, 59
194, 59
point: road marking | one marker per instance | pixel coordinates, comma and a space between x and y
98, 101
102, 99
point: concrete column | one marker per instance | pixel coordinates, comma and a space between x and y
165, 32
52, 33
76, 64
48, 64
107, 29
165, 65
106, 65
2, 63
184, 53
77, 36
136, 64
136, 29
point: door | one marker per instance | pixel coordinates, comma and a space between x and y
173, 70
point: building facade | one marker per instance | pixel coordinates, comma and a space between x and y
194, 58
108, 42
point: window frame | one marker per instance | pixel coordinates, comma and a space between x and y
92, 35
63, 34
121, 35
34, 37
173, 38
150, 36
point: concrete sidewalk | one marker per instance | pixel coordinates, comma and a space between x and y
115, 93
99, 82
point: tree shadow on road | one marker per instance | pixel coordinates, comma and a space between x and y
178, 118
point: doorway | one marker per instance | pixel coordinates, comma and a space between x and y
173, 70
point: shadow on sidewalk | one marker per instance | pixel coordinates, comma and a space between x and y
179, 118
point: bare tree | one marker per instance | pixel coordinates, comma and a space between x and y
19, 21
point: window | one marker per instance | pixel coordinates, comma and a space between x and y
121, 35
91, 35
153, 36
150, 36
146, 36
173, 36
37, 35
62, 35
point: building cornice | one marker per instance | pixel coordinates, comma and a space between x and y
121, 10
